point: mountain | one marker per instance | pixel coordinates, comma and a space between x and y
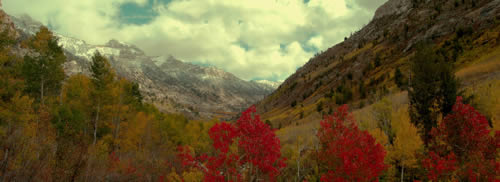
360, 70
270, 84
171, 84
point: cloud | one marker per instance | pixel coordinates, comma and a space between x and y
257, 39
369, 4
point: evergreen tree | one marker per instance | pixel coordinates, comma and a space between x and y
102, 78
398, 78
136, 93
448, 88
102, 74
433, 88
43, 71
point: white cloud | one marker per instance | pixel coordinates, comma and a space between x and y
249, 38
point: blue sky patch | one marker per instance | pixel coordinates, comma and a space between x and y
243, 45
133, 13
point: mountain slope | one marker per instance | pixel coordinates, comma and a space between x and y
361, 69
172, 85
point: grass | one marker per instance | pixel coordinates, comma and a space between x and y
358, 51
488, 64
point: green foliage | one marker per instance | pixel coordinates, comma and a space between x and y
432, 86
368, 68
44, 71
136, 93
343, 95
102, 75
377, 61
362, 90
399, 78
382, 112
319, 106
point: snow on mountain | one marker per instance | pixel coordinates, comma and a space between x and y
270, 84
170, 84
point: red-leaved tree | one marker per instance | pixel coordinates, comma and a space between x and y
247, 150
347, 153
462, 147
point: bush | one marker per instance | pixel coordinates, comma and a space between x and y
257, 145
348, 154
319, 106
463, 148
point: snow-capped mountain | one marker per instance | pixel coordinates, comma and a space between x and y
172, 85
271, 84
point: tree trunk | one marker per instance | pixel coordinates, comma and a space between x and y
298, 168
95, 122
117, 122
42, 82
5, 163
402, 172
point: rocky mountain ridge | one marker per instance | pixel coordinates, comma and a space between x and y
170, 84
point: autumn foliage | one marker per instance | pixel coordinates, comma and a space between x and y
462, 147
348, 153
247, 150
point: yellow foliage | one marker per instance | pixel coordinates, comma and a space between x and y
487, 101
196, 135
192, 176
134, 133
380, 137
407, 142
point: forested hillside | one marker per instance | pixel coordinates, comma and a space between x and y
375, 61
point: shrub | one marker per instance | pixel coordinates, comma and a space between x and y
463, 148
256, 153
348, 154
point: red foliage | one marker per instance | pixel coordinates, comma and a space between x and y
440, 167
258, 151
464, 133
348, 153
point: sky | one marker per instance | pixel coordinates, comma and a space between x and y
253, 39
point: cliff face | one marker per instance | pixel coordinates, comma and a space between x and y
6, 24
369, 57
393, 8
170, 84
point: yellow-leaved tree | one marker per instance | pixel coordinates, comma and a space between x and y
407, 143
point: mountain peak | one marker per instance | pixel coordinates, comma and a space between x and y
393, 7
117, 43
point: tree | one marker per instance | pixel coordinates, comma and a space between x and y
377, 61
463, 148
347, 153
136, 93
382, 111
71, 120
399, 78
245, 151
448, 90
44, 71
102, 77
362, 90
407, 144
431, 87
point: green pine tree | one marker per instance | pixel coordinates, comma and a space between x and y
399, 78
43, 71
433, 89
102, 77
